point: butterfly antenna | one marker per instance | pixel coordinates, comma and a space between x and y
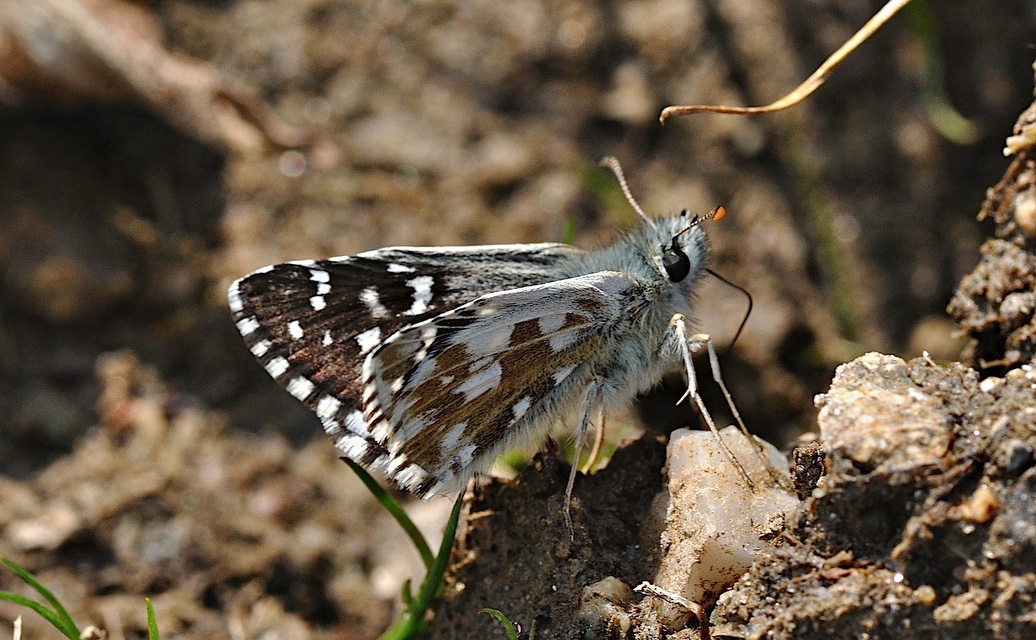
748, 311
612, 163
717, 214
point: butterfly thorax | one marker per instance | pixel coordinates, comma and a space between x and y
636, 362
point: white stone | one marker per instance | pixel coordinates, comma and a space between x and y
715, 525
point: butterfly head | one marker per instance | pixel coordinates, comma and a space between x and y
678, 247
675, 260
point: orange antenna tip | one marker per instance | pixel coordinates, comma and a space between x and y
721, 213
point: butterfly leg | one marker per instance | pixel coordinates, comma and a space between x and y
706, 340
595, 452
591, 400
676, 336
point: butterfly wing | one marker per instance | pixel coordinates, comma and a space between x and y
445, 396
311, 323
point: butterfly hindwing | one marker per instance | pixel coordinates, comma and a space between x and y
446, 395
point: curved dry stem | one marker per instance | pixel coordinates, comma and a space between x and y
811, 83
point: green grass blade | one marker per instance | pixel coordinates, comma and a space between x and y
53, 618
442, 559
412, 621
508, 626
943, 115
31, 580
152, 624
568, 234
397, 512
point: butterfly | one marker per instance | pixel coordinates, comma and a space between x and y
426, 363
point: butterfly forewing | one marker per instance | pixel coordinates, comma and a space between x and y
312, 323
447, 395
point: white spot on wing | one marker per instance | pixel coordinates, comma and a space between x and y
354, 447
370, 299
480, 382
327, 338
234, 297
328, 406
300, 387
561, 374
466, 454
368, 339
354, 422
422, 286
379, 463
402, 436
382, 431
427, 338
520, 407
495, 342
318, 303
323, 289
319, 275
551, 323
260, 348
451, 440
295, 329
277, 367
424, 370
395, 464
559, 341
247, 325
399, 268
411, 477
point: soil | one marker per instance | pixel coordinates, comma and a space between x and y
144, 453
921, 527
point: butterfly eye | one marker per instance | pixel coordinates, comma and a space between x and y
677, 264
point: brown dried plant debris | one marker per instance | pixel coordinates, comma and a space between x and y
68, 51
230, 534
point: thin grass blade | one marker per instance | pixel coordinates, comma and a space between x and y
504, 621
390, 505
412, 621
53, 618
152, 624
31, 580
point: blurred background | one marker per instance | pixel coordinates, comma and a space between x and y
152, 152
